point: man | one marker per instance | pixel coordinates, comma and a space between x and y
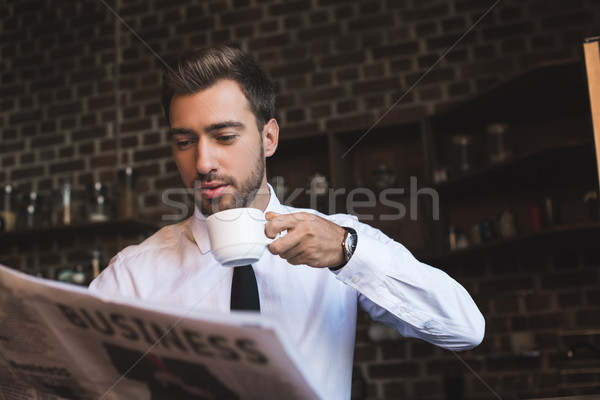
220, 110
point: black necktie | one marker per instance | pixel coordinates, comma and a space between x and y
244, 290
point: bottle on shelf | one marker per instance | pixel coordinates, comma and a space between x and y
96, 262
31, 215
99, 207
461, 158
8, 211
127, 194
63, 210
499, 143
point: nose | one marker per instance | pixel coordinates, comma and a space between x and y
206, 160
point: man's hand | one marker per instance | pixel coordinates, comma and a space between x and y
310, 239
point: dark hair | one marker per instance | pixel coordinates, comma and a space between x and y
199, 69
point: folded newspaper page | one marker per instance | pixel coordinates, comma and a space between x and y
60, 341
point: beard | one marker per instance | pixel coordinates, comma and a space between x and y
243, 195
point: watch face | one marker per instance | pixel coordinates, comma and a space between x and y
351, 241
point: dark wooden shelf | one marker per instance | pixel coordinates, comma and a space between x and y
586, 233
552, 90
564, 165
67, 231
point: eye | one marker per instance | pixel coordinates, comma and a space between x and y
183, 144
226, 139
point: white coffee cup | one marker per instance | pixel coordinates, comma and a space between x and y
237, 236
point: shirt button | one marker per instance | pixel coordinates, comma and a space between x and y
355, 279
401, 310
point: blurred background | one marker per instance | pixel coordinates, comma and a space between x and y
460, 128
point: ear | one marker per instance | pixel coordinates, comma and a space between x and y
270, 137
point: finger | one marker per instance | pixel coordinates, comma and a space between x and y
270, 229
299, 260
270, 215
300, 252
281, 222
303, 258
283, 244
293, 255
296, 255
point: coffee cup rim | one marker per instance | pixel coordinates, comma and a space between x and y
250, 211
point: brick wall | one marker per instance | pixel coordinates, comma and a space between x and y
79, 98
80, 91
552, 295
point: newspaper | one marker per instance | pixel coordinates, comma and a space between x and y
60, 341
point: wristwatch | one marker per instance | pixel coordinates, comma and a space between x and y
348, 246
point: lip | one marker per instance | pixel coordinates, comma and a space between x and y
212, 190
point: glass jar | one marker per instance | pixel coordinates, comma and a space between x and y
461, 160
499, 146
31, 211
383, 177
99, 206
80, 275
318, 185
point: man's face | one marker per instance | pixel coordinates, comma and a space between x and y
218, 149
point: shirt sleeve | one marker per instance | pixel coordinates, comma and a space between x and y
114, 279
414, 298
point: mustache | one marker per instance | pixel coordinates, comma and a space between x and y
213, 177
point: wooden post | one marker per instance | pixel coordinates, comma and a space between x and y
592, 65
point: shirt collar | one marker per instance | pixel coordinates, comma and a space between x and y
199, 222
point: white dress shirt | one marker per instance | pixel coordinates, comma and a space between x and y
316, 307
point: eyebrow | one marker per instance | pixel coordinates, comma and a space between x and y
225, 124
208, 129
181, 131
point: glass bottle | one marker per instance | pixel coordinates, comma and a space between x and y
8, 210
96, 262
64, 206
127, 194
